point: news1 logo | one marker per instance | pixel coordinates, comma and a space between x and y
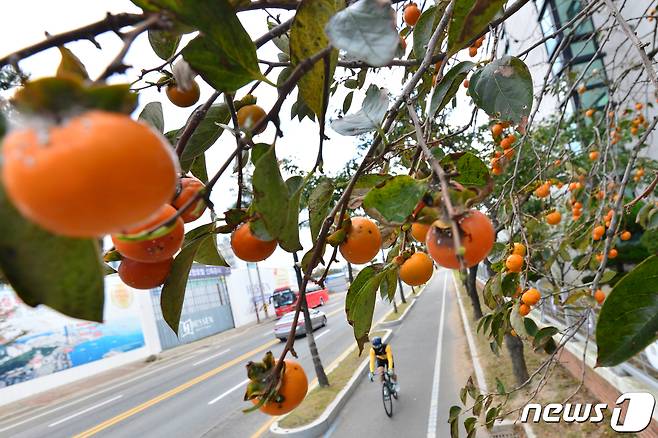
638, 413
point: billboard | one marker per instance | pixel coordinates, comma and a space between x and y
35, 342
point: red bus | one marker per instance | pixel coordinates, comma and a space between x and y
285, 299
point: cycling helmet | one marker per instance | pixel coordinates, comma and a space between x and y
376, 342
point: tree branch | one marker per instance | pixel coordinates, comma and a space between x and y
109, 23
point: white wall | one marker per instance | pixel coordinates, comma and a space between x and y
243, 285
151, 346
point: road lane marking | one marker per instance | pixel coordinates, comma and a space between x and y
322, 334
335, 312
111, 386
221, 396
211, 357
84, 411
172, 392
434, 401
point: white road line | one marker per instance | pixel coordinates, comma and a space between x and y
84, 411
322, 334
434, 401
235, 388
266, 334
211, 357
112, 386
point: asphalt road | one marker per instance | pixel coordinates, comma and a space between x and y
199, 394
432, 364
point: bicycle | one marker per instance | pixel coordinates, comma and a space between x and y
388, 392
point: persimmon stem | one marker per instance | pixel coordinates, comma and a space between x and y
228, 98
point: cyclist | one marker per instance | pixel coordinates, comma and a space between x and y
381, 354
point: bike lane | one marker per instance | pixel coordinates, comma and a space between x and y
421, 410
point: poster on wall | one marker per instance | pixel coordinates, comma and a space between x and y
35, 342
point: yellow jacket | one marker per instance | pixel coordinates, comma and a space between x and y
388, 356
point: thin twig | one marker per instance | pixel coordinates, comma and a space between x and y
196, 118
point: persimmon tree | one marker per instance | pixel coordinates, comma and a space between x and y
561, 199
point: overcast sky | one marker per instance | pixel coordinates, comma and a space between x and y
26, 21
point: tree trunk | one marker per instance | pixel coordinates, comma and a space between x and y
323, 381
471, 288
515, 349
404, 300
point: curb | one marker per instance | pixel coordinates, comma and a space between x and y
322, 424
505, 427
393, 323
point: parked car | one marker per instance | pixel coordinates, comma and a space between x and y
283, 326
285, 299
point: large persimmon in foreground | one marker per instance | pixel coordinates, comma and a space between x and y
95, 174
477, 238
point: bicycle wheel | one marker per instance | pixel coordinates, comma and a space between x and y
387, 399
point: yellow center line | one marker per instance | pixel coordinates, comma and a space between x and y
147, 404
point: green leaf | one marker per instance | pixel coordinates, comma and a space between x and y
59, 94
3, 125
173, 291
469, 19
224, 75
360, 302
389, 284
208, 253
223, 54
423, 31
199, 168
307, 38
63, 273
152, 114
163, 43
491, 416
472, 172
368, 118
503, 89
509, 283
208, 131
270, 194
530, 326
70, 65
318, 205
347, 102
289, 238
366, 31
396, 198
542, 337
500, 387
628, 321
447, 88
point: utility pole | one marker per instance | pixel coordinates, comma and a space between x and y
262, 295
323, 381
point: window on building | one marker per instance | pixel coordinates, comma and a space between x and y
579, 51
